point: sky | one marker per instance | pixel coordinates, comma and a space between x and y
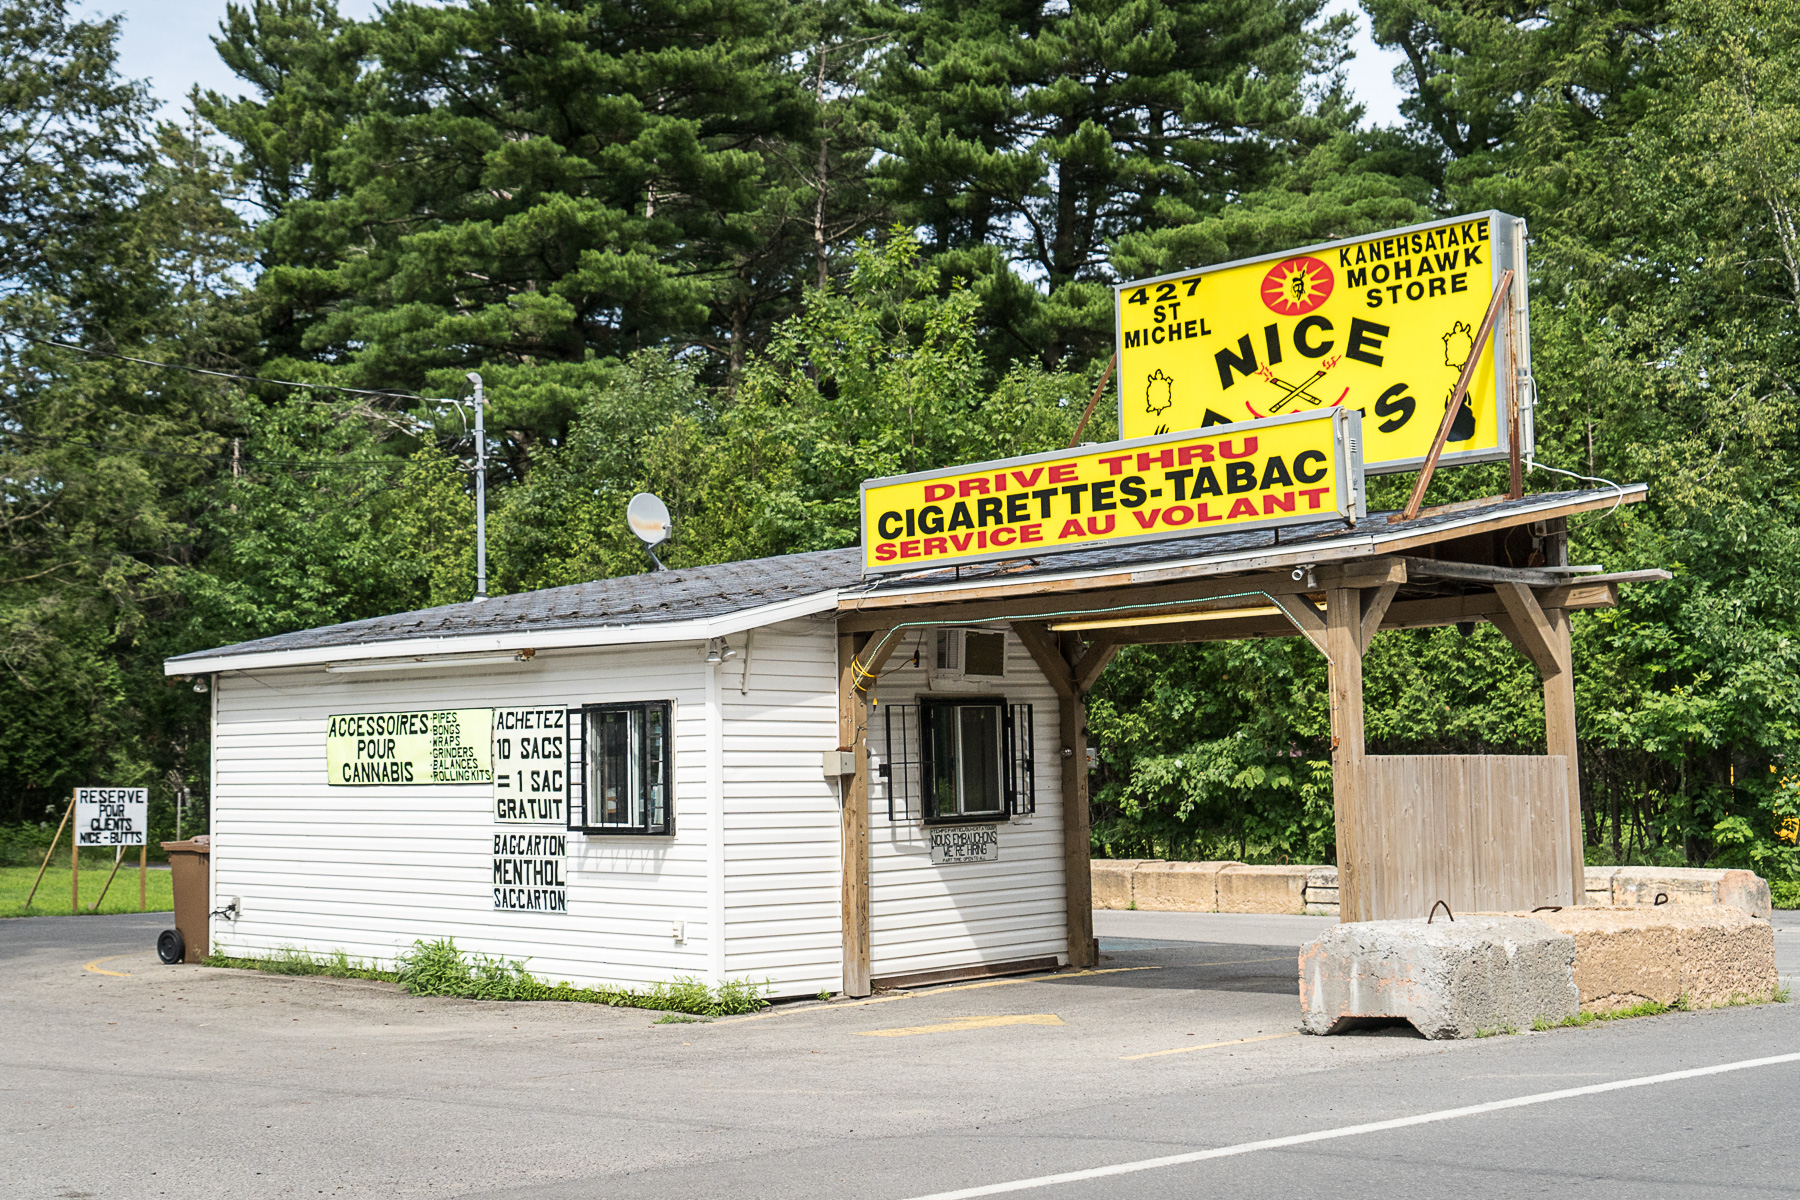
168, 42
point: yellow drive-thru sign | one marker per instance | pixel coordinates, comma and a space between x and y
1382, 324
1288, 470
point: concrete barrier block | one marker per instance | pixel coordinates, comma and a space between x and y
1449, 979
1599, 885
1178, 886
1112, 881
1704, 956
1748, 891
1322, 892
1691, 885
1263, 889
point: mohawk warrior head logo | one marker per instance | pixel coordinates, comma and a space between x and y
1296, 286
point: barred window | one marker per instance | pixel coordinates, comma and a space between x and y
975, 760
621, 773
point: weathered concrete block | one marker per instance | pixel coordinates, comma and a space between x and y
1112, 881
1691, 885
1448, 979
1748, 891
1178, 886
1599, 884
1704, 956
1264, 889
1322, 892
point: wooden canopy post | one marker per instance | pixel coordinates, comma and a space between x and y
1344, 651
1559, 736
1066, 677
1542, 635
855, 677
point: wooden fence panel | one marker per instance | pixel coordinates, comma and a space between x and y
1481, 832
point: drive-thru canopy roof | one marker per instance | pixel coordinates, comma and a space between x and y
724, 598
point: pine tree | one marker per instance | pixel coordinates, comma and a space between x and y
1029, 137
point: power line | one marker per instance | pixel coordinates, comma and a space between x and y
103, 448
151, 362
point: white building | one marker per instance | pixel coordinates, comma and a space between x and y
634, 779
654, 799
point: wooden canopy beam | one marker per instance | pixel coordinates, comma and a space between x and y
1428, 613
886, 612
1306, 619
1528, 628
1040, 643
1090, 664
1375, 604
1535, 577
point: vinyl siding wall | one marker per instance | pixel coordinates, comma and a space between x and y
925, 917
782, 846
370, 869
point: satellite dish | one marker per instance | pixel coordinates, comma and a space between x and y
649, 519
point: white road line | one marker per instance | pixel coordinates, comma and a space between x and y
1326, 1135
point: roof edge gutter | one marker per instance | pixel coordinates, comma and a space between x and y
583, 637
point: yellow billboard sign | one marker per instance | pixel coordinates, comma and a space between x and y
1305, 467
1382, 324
450, 746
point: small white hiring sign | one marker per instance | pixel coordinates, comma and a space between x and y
965, 844
112, 816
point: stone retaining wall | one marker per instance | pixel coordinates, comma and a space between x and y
1157, 885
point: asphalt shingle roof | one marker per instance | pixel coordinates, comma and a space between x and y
695, 593
692, 593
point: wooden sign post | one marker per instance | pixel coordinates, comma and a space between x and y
45, 865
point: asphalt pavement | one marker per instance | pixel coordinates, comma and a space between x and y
1167, 1071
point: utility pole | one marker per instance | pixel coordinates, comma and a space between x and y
480, 490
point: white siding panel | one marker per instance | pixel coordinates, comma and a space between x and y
370, 869
927, 918
782, 914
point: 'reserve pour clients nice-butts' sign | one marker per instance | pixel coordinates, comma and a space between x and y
1290, 470
452, 746
1382, 323
111, 816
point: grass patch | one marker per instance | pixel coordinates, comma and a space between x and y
289, 961
52, 897
440, 969
1649, 1008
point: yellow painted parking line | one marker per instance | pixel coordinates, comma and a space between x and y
1267, 1037
955, 987
95, 966
958, 1024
